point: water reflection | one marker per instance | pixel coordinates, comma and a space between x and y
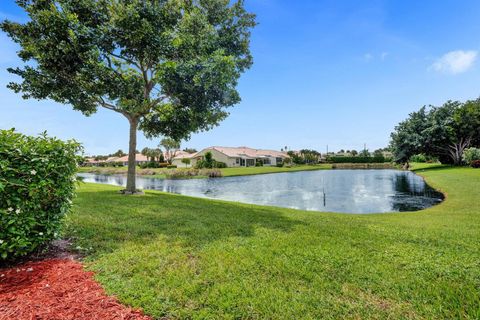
351, 191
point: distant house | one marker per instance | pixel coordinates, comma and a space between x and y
234, 157
139, 159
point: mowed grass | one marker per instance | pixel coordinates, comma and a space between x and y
244, 171
226, 172
179, 257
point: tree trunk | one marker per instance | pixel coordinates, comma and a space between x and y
132, 147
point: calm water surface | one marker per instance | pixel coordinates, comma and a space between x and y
350, 191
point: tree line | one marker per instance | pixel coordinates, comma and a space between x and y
443, 132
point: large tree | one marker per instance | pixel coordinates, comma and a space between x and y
451, 128
443, 132
170, 67
408, 139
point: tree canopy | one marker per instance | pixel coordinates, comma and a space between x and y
444, 132
169, 66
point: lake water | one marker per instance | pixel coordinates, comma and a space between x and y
349, 191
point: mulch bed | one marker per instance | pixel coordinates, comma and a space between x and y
57, 289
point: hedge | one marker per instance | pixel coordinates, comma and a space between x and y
358, 159
37, 184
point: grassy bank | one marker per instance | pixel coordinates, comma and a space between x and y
181, 257
226, 172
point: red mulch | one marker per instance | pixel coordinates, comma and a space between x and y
57, 289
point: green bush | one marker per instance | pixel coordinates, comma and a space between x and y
181, 174
418, 158
358, 159
210, 164
258, 163
471, 154
37, 184
171, 166
211, 173
219, 164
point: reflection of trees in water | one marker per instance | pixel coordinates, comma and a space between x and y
412, 193
119, 180
101, 178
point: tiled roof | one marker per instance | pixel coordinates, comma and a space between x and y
182, 154
248, 152
138, 157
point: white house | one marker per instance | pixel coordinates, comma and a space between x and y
234, 157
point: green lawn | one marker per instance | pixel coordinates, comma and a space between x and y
187, 258
242, 171
261, 170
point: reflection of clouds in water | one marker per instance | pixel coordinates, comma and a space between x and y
356, 191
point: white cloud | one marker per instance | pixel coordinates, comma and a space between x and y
383, 55
368, 56
454, 62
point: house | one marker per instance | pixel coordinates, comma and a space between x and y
235, 157
180, 155
139, 159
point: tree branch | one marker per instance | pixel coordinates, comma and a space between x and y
125, 59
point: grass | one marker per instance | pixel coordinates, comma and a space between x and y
186, 258
226, 172
263, 170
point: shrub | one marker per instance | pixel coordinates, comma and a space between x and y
418, 158
280, 164
219, 164
181, 174
37, 184
171, 166
258, 163
211, 173
471, 154
358, 159
186, 161
475, 164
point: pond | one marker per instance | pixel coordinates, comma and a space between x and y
348, 191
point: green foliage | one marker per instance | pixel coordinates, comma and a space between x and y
258, 163
190, 150
358, 159
471, 154
443, 132
153, 164
191, 173
209, 163
179, 257
420, 158
365, 153
149, 164
171, 67
186, 161
171, 166
152, 154
119, 153
37, 184
219, 165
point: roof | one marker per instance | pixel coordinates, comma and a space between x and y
183, 155
138, 157
234, 152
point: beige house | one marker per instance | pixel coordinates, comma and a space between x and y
234, 157
139, 159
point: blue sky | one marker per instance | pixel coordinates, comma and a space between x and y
341, 73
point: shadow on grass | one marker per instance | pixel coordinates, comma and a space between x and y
105, 220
